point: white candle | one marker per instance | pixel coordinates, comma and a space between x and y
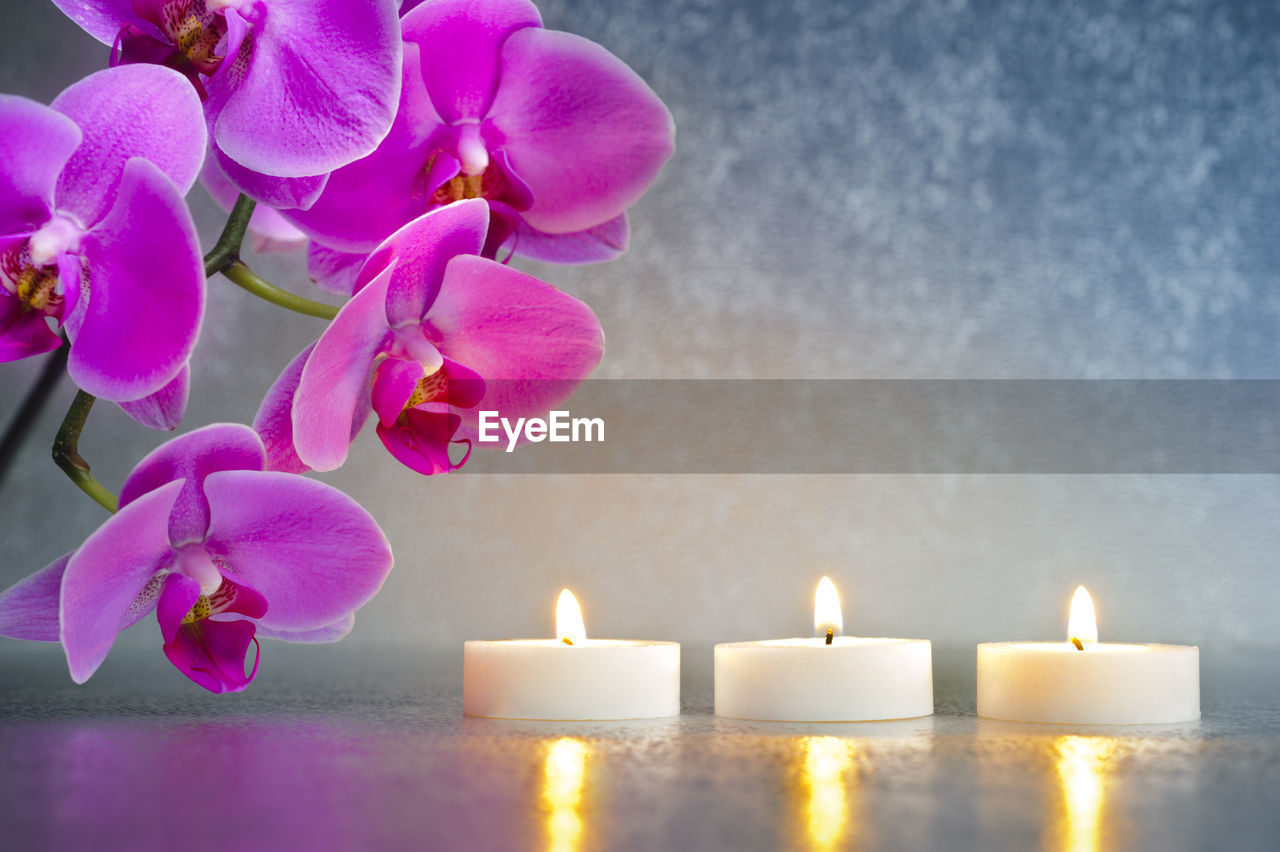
570, 677
1086, 682
830, 678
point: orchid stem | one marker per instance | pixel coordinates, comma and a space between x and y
66, 453
226, 250
33, 403
243, 277
224, 257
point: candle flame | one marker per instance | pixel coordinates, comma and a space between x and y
826, 609
1082, 626
569, 627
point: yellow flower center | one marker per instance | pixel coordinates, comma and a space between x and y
199, 612
490, 185
197, 43
35, 289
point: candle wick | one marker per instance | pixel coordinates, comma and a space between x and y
1079, 645
566, 640
831, 634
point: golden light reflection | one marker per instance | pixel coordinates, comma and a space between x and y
569, 627
565, 768
826, 761
1083, 767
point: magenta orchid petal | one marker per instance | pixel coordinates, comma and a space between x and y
532, 343
309, 549
466, 387
131, 111
178, 594
71, 282
277, 192
420, 441
595, 245
333, 387
320, 89
212, 654
329, 633
105, 578
274, 420
101, 19
136, 44
268, 230
23, 333
191, 458
335, 271
139, 327
163, 409
236, 597
394, 382
464, 40
423, 248
366, 200
29, 608
35, 144
579, 127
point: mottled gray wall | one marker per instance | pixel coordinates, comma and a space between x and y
860, 190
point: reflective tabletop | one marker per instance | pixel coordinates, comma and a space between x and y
337, 748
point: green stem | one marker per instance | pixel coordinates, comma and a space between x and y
224, 257
242, 276
226, 250
66, 453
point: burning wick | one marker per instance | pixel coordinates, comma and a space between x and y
1074, 641
566, 640
831, 634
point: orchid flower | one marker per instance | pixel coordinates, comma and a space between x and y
223, 552
433, 334
292, 89
556, 133
95, 235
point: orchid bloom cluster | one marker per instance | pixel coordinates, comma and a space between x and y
412, 153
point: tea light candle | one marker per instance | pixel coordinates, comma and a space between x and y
831, 678
1086, 682
571, 676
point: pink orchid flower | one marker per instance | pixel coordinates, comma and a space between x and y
555, 132
223, 551
433, 334
95, 235
292, 89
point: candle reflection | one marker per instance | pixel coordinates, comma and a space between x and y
826, 760
565, 769
1082, 767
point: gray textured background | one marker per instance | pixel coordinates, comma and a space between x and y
861, 190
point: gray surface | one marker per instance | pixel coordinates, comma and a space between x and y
335, 751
